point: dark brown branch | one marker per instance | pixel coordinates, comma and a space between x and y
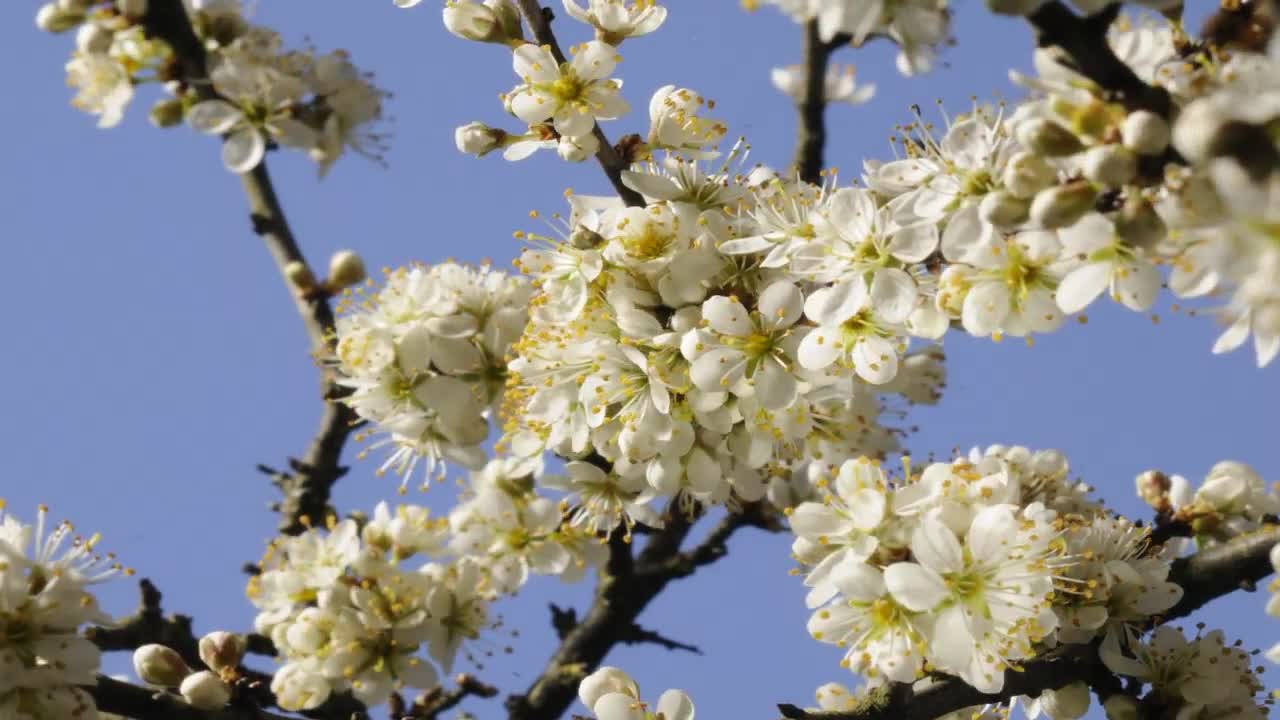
307, 485
811, 137
148, 625
433, 704
1207, 575
1084, 40
140, 703
539, 20
636, 635
618, 602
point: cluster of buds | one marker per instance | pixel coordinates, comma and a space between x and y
346, 269
1232, 499
210, 689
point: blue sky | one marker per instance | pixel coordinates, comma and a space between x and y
154, 356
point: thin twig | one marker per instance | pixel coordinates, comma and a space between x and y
307, 485
812, 105
539, 19
617, 603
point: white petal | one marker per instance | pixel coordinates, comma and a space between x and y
243, 150
616, 706
989, 536
214, 116
775, 386
936, 547
675, 705
832, 306
819, 348
781, 304
875, 360
866, 508
985, 308
718, 370
915, 587
727, 316
1082, 286
1233, 337
893, 294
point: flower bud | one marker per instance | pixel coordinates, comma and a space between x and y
75, 6
166, 113
51, 18
1003, 209
1061, 206
205, 691
1067, 703
508, 16
1027, 174
222, 650
1093, 120
346, 268
160, 666
300, 276
1139, 224
476, 138
470, 21
93, 38
1145, 133
132, 8
1153, 488
577, 149
604, 681
1109, 164
1121, 707
1047, 138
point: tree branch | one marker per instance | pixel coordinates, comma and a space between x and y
141, 703
1204, 576
618, 601
1084, 40
148, 625
432, 704
812, 129
539, 19
306, 487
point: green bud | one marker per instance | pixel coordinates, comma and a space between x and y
1061, 206
1109, 164
167, 113
1004, 209
1047, 138
51, 18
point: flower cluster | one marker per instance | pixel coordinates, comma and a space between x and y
1198, 678
348, 610
425, 358
260, 96
610, 694
505, 526
971, 566
345, 616
733, 332
44, 602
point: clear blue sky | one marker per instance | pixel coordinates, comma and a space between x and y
153, 357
